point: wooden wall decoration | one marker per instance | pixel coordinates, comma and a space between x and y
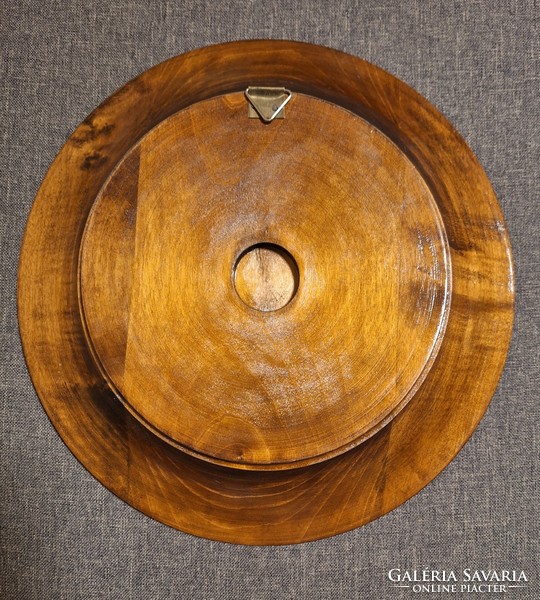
265, 332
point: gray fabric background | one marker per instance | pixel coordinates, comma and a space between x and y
63, 535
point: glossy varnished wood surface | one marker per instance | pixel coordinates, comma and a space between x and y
78, 377
265, 276
230, 382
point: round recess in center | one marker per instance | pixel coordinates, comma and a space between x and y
266, 277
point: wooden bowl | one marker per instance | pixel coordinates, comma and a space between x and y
265, 331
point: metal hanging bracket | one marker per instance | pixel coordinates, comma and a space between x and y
267, 103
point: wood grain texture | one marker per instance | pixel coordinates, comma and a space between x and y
265, 389
265, 277
154, 370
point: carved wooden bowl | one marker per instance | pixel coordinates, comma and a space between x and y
265, 330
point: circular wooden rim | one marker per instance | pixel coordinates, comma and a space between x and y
266, 507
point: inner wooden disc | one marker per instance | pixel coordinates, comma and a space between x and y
264, 296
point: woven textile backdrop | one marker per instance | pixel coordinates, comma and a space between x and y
63, 534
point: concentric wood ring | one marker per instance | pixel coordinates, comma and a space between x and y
402, 305
218, 377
